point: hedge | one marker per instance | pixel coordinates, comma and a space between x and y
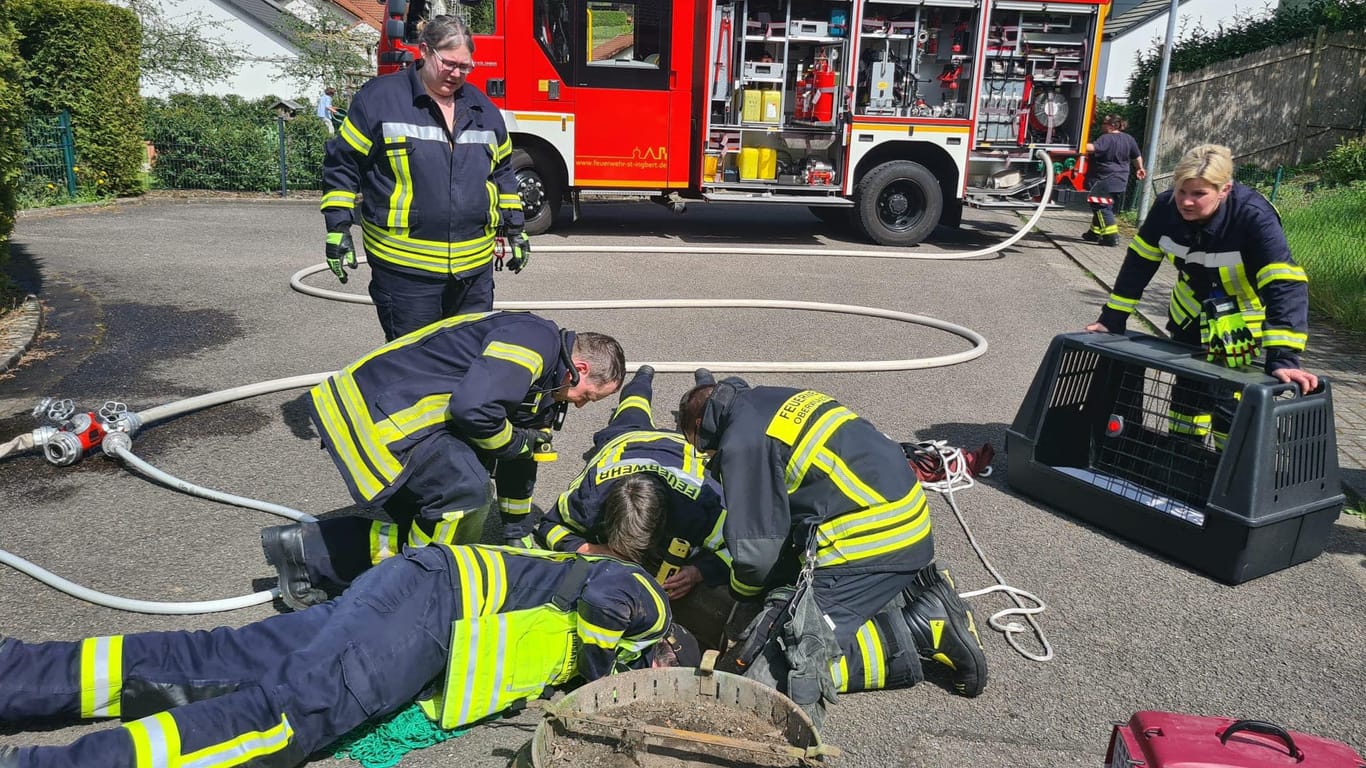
82, 56
11, 133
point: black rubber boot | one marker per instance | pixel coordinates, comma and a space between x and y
284, 548
1089, 236
1109, 240
945, 631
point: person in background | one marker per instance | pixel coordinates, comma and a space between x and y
326, 110
1111, 155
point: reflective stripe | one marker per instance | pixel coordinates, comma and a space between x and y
497, 440
243, 749
514, 507
634, 401
873, 532
427, 412
156, 741
488, 138
635, 645
812, 444
1122, 304
839, 671
1235, 282
102, 676
592, 634
528, 358
1142, 248
382, 541
743, 589
510, 201
1200, 258
411, 131
556, 534
1283, 337
401, 199
1179, 423
338, 198
339, 437
503, 151
367, 432
1183, 305
1280, 271
353, 136
401, 250
874, 663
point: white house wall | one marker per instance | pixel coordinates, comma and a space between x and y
258, 74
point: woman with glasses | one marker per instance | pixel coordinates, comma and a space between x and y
427, 154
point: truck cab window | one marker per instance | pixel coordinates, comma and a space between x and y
624, 44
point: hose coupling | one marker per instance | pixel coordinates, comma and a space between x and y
115, 442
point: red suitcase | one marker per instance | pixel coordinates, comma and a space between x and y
1170, 740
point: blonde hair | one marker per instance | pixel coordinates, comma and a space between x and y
1211, 163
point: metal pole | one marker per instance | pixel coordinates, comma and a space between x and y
1155, 113
68, 152
284, 176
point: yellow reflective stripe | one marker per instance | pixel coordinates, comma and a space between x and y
743, 589
1188, 424
806, 449
845, 480
1122, 303
102, 676
839, 671
503, 151
453, 259
497, 440
555, 535
870, 646
1144, 249
427, 412
366, 431
495, 580
480, 685
526, 357
1282, 337
156, 741
401, 199
510, 201
884, 515
340, 438
382, 543
443, 532
592, 634
1280, 271
1236, 283
879, 539
1183, 303
715, 539
491, 192
338, 198
471, 582
434, 250
634, 401
243, 749
514, 507
353, 136
638, 644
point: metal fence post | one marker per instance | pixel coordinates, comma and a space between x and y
68, 152
284, 170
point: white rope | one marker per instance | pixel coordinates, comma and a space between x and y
957, 477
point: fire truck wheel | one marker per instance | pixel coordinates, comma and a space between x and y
838, 217
540, 190
899, 203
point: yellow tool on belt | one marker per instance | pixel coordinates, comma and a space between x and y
544, 450
673, 559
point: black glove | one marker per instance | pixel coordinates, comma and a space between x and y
340, 253
520, 246
525, 443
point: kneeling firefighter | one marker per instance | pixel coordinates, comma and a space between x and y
829, 525
416, 426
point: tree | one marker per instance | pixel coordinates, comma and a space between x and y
180, 50
332, 51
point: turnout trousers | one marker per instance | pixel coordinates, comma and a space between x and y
443, 496
267, 694
1105, 197
406, 301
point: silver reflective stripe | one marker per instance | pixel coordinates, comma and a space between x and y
242, 749
467, 700
420, 132
477, 137
156, 743
1210, 260
104, 695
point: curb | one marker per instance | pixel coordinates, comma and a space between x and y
19, 336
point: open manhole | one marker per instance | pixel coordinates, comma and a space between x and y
672, 717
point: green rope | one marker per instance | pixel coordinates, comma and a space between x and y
383, 743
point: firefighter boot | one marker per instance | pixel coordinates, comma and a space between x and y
944, 630
1109, 240
1090, 236
284, 548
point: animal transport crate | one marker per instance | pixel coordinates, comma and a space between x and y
1127, 432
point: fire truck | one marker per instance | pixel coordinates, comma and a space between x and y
887, 116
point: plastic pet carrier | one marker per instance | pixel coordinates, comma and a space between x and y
1169, 740
1227, 471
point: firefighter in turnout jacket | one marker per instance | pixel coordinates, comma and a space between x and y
416, 427
1228, 246
429, 157
826, 516
468, 630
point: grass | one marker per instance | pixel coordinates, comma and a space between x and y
1325, 228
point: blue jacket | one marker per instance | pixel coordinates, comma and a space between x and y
476, 375
431, 201
1241, 253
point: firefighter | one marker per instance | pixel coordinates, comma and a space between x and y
416, 426
429, 157
1237, 280
826, 516
696, 555
504, 624
1112, 154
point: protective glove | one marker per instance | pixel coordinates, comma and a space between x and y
520, 245
1225, 334
340, 253
526, 443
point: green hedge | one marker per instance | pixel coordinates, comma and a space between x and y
230, 143
11, 134
82, 56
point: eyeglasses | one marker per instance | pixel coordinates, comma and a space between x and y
464, 67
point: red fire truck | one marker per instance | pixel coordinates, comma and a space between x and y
887, 115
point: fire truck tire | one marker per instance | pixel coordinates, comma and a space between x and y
898, 203
541, 192
838, 217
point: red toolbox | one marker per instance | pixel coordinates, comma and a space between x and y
1170, 740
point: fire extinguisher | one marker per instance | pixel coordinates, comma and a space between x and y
960, 37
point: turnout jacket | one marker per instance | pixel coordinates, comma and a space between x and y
1240, 253
476, 375
630, 444
431, 199
801, 470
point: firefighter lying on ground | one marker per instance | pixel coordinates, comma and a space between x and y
429, 158
423, 625
416, 426
697, 569
827, 522
1238, 287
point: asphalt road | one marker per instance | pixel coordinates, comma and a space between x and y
149, 303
